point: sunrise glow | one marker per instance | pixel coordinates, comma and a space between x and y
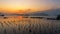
13, 6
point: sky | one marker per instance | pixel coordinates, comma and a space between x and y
23, 6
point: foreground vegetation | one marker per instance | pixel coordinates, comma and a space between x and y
29, 26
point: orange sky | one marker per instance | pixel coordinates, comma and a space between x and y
22, 6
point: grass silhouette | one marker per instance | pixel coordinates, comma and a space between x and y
31, 26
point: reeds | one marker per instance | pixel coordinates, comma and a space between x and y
32, 26
5, 31
1, 24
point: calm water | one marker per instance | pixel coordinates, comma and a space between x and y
19, 25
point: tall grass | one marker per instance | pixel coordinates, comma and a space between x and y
31, 26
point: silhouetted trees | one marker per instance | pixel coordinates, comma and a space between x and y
2, 15
58, 17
